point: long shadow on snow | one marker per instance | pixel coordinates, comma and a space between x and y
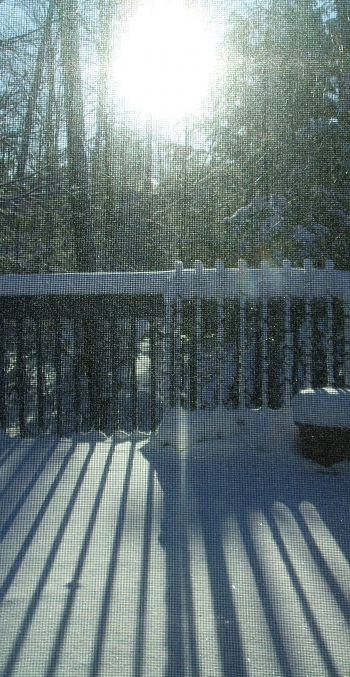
224, 486
177, 478
49, 562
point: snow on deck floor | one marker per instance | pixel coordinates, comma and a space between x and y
254, 583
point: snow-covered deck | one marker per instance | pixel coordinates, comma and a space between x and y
254, 583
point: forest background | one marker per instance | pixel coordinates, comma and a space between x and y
260, 172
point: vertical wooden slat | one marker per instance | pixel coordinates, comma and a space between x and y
242, 335
168, 348
288, 352
220, 273
347, 342
308, 325
101, 367
330, 350
40, 374
192, 356
288, 336
199, 334
3, 403
153, 371
178, 351
89, 356
330, 332
133, 384
186, 355
264, 351
3, 411
221, 351
199, 351
77, 370
115, 370
177, 334
21, 376
308, 344
58, 368
264, 335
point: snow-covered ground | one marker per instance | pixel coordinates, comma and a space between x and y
278, 524
265, 589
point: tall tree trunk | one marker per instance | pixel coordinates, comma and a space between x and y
81, 217
34, 92
104, 165
343, 12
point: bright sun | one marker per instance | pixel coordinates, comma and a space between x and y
166, 60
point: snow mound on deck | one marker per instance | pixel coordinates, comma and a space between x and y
326, 407
258, 429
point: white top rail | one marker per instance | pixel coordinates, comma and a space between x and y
207, 283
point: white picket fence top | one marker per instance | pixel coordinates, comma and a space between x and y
198, 282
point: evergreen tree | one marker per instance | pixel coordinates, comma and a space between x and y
275, 131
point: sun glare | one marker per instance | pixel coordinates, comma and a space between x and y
166, 60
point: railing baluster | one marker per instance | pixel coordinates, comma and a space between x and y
199, 333
58, 368
199, 352
3, 411
347, 342
308, 344
153, 371
178, 352
77, 370
330, 353
264, 335
133, 384
308, 325
330, 318
168, 348
115, 369
39, 375
220, 272
178, 333
288, 352
21, 376
242, 334
221, 351
288, 336
264, 352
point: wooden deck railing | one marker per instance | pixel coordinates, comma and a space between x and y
113, 350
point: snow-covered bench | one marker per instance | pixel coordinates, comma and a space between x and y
323, 418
